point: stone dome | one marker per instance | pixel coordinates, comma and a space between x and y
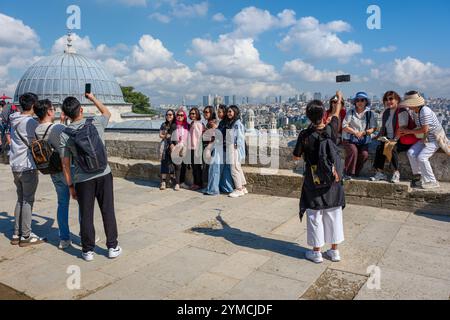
59, 76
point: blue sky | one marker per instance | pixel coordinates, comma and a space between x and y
171, 48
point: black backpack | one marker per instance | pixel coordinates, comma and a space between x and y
91, 152
329, 161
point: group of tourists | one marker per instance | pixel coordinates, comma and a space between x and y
212, 145
407, 125
213, 148
74, 156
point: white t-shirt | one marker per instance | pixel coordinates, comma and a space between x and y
428, 117
358, 121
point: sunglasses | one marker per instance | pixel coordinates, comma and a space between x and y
192, 114
170, 114
390, 99
360, 100
180, 115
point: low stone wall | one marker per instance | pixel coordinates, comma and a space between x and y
286, 183
146, 147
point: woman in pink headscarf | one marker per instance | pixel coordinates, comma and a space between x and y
179, 147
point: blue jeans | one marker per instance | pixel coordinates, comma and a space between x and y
226, 180
214, 175
63, 195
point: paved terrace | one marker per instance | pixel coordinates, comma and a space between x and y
187, 246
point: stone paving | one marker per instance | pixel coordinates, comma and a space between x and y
183, 245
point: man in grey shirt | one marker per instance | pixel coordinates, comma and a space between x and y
86, 187
24, 170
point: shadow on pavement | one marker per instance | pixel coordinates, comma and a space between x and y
253, 241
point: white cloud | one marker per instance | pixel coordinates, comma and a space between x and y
367, 62
150, 53
308, 72
178, 9
320, 40
84, 46
181, 10
160, 17
386, 49
411, 73
251, 21
231, 57
219, 17
19, 47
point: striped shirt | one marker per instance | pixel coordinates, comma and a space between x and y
428, 117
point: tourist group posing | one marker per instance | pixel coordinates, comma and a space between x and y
213, 148
74, 156
407, 125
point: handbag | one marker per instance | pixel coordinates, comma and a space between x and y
409, 139
366, 139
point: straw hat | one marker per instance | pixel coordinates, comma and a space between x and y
413, 99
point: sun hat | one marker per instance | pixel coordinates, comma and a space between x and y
362, 95
413, 99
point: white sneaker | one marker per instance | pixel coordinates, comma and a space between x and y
379, 176
88, 256
185, 186
430, 185
114, 252
395, 177
314, 256
177, 187
31, 240
162, 186
236, 194
334, 255
64, 244
245, 190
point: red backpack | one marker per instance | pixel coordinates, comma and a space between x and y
408, 139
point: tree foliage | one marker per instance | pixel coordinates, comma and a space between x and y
141, 103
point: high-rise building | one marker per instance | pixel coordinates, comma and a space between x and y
227, 100
234, 100
218, 100
279, 99
207, 100
317, 96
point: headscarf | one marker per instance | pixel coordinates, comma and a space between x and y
182, 127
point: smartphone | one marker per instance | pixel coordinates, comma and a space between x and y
87, 88
343, 78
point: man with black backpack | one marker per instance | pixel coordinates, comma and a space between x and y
46, 154
82, 144
24, 170
322, 196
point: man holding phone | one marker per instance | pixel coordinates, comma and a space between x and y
92, 179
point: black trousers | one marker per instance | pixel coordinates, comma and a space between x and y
196, 169
380, 158
101, 189
180, 173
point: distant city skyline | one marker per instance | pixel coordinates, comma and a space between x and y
182, 50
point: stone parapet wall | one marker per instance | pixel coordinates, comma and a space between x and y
286, 183
146, 147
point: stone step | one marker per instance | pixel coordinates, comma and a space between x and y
286, 183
